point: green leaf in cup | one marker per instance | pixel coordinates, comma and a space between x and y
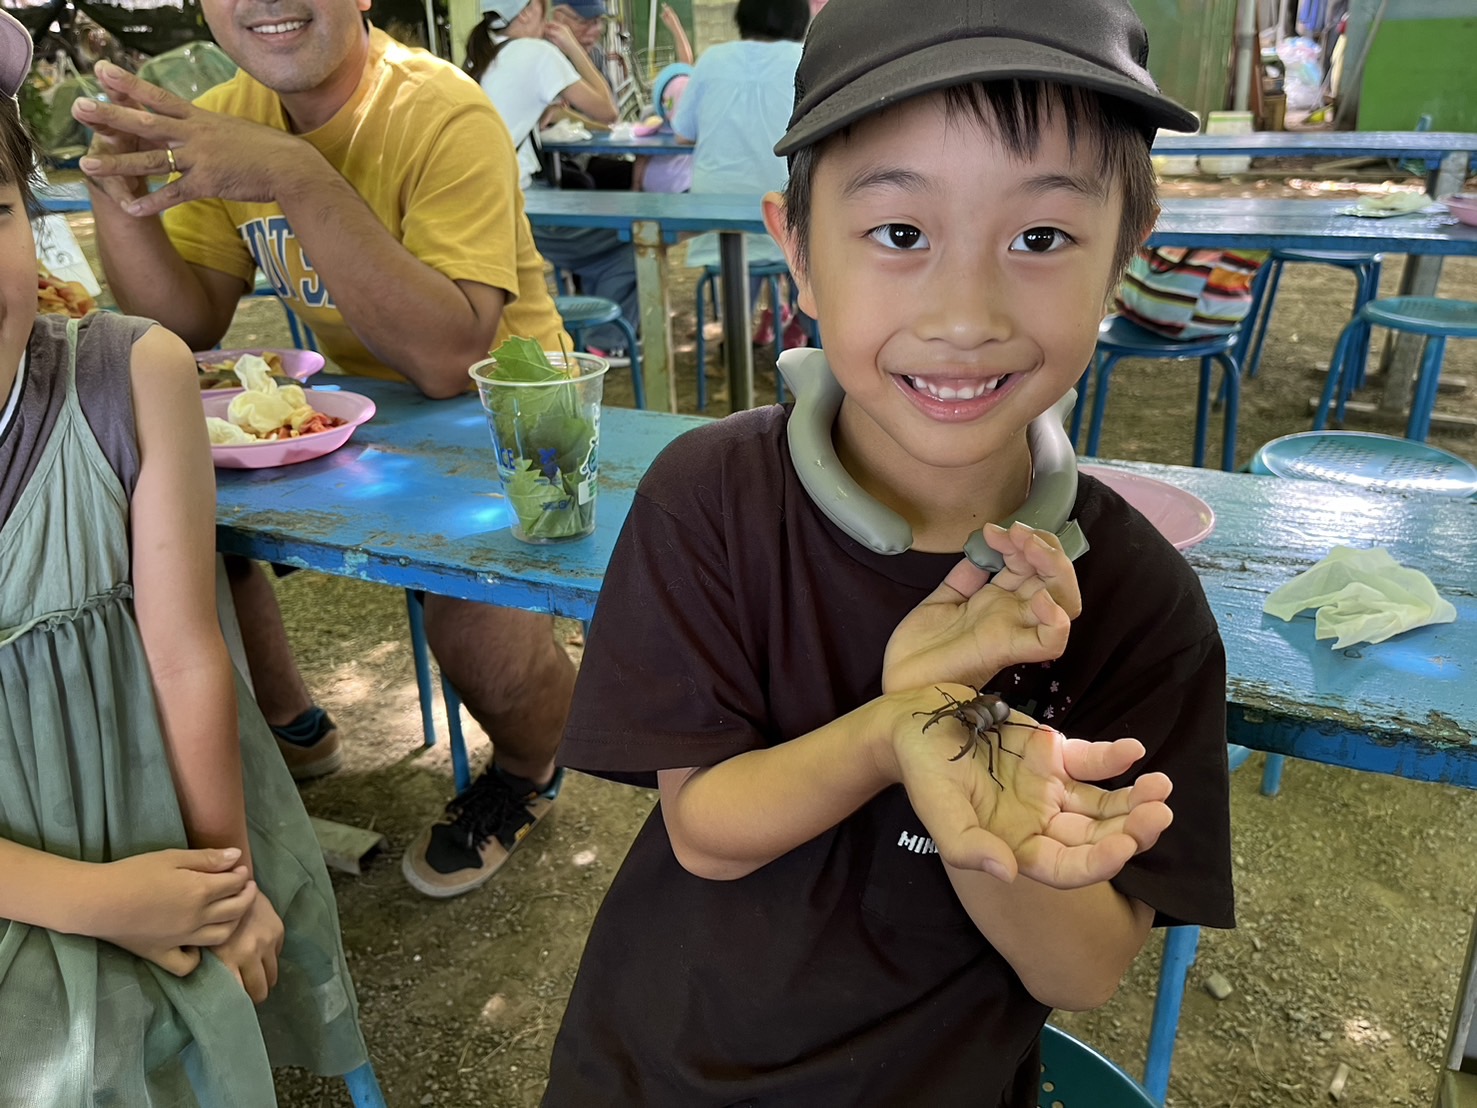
547, 444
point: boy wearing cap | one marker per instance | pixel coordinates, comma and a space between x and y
830, 907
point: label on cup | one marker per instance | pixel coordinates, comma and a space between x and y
583, 492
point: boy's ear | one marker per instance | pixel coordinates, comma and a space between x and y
779, 230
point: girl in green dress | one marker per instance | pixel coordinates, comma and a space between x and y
167, 928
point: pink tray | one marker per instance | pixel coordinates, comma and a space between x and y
1181, 517
352, 408
297, 364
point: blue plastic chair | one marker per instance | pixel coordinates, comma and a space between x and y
302, 336
364, 1087
1435, 317
580, 313
1074, 1075
1366, 269
1118, 339
707, 286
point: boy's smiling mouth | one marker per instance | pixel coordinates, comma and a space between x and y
946, 388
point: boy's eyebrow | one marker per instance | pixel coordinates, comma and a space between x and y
1094, 188
885, 178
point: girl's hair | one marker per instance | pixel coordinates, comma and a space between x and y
17, 153
773, 19
482, 51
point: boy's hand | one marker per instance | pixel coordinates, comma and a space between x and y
1040, 818
251, 951
164, 905
968, 630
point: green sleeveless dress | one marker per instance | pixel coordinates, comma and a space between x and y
83, 775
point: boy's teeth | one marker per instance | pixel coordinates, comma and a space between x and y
279, 28
951, 392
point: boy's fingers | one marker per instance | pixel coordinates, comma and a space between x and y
1072, 867
211, 859
963, 581
181, 961
955, 828
1096, 761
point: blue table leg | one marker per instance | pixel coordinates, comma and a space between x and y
1180, 944
415, 609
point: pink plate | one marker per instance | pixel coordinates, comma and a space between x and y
297, 364
1181, 517
1463, 206
352, 408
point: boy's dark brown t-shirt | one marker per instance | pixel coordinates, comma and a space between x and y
735, 616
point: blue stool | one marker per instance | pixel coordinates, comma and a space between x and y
364, 1087
583, 312
302, 337
1367, 460
1366, 270
707, 285
1073, 1075
1435, 317
1118, 339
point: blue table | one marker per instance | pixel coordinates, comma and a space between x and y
413, 501
650, 220
1431, 147
662, 144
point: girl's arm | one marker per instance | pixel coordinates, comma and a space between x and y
173, 534
161, 906
590, 95
173, 529
681, 47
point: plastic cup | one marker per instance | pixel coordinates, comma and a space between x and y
546, 435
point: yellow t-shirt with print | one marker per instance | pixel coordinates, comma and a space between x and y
424, 147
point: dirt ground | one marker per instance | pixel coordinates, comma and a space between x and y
1355, 892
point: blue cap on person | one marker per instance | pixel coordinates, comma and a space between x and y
585, 9
862, 55
15, 55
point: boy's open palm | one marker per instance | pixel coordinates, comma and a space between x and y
251, 950
165, 905
974, 625
1041, 818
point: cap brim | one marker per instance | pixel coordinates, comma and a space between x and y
15, 54
963, 61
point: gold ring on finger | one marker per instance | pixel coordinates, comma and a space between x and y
169, 154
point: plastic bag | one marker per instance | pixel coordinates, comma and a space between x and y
1302, 63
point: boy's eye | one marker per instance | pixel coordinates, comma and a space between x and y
1041, 240
899, 236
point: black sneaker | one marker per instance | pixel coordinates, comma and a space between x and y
476, 834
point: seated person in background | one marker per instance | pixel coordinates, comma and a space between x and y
667, 172
848, 895
735, 109
377, 189
526, 63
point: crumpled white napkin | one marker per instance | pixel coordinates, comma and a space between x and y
1361, 596
565, 130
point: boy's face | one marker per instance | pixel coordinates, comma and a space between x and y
958, 289
17, 281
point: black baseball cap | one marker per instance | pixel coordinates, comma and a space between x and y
862, 56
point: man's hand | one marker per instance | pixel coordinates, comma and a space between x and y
1040, 818
166, 904
215, 156
968, 631
251, 950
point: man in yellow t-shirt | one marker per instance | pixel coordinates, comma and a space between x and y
377, 189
